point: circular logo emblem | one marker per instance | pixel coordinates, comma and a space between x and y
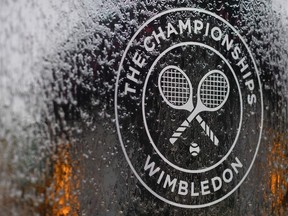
189, 107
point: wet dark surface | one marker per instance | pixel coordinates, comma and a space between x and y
59, 149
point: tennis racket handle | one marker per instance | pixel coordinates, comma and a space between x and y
186, 124
207, 130
179, 132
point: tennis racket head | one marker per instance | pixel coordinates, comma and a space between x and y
175, 88
213, 90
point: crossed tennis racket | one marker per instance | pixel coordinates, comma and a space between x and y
176, 90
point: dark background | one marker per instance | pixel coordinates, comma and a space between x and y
59, 149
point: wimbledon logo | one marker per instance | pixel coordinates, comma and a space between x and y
188, 106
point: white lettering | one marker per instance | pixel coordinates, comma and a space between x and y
137, 60
216, 36
245, 76
198, 26
171, 30
151, 47
229, 178
252, 99
235, 165
183, 26
160, 177
250, 84
170, 183
183, 188
205, 187
132, 76
236, 52
159, 35
244, 66
227, 42
193, 193
150, 166
214, 184
128, 89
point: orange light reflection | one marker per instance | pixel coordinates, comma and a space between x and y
278, 163
63, 196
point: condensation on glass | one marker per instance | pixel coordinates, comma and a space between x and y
59, 150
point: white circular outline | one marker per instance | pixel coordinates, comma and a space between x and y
143, 107
116, 113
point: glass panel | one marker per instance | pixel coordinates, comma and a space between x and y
60, 152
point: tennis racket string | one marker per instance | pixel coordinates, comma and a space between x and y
213, 90
175, 87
